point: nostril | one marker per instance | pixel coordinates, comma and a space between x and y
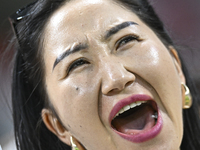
118, 89
129, 83
116, 80
113, 92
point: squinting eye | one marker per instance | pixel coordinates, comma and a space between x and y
126, 40
76, 64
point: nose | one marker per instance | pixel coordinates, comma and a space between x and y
115, 77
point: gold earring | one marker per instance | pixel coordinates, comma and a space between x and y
74, 146
187, 98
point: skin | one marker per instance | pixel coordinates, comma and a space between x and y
84, 97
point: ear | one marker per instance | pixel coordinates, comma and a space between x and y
55, 126
177, 63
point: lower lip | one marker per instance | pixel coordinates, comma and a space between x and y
145, 135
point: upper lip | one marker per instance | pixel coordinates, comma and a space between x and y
127, 101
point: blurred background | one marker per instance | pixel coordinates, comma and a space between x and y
181, 19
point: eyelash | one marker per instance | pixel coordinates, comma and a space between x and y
120, 43
76, 64
126, 40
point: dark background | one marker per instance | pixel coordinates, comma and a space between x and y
181, 18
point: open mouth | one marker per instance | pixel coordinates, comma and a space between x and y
137, 121
137, 116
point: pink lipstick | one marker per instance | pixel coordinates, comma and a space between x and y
136, 118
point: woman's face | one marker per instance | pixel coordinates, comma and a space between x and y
101, 58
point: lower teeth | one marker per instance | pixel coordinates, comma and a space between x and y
155, 116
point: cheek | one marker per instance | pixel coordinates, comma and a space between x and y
153, 63
75, 96
76, 101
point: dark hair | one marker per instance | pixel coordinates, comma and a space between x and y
28, 89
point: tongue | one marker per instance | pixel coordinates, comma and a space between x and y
135, 120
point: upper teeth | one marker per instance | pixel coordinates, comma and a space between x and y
127, 107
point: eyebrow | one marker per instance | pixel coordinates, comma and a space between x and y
69, 51
79, 47
117, 28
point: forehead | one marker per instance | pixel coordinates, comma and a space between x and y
88, 16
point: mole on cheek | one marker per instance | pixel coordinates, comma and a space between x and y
77, 88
